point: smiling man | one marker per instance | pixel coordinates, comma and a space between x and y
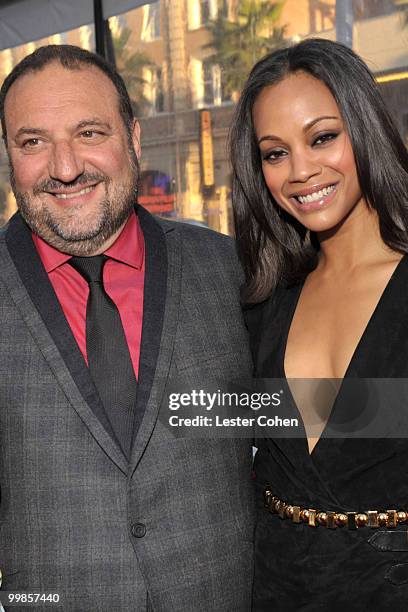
101, 304
74, 161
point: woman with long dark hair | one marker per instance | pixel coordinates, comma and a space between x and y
320, 197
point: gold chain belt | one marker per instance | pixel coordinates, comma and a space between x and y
331, 520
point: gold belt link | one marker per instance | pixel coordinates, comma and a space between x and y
331, 520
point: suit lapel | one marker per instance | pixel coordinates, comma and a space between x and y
35, 298
160, 316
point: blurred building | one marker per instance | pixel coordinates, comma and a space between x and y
180, 98
175, 35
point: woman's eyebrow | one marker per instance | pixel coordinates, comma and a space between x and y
306, 127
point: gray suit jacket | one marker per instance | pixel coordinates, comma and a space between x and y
172, 530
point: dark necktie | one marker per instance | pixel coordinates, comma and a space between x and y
108, 354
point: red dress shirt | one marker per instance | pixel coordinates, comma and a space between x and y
123, 279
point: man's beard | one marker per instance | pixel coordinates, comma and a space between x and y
68, 232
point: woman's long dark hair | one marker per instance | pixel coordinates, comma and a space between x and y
273, 247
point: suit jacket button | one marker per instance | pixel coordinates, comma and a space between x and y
138, 530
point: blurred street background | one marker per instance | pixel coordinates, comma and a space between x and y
184, 63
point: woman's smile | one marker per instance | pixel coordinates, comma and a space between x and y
307, 158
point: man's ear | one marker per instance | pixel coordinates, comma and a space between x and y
136, 137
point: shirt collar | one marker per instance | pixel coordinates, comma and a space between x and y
128, 248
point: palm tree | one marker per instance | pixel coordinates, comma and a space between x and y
130, 65
239, 44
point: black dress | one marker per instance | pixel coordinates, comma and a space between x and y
304, 568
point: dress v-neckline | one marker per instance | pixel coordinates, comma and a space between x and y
353, 360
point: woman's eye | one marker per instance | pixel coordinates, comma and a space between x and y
274, 156
323, 138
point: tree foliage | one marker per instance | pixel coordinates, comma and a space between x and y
239, 44
130, 65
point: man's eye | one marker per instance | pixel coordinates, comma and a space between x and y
323, 138
89, 134
274, 156
30, 143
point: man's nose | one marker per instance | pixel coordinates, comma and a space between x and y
65, 164
303, 166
